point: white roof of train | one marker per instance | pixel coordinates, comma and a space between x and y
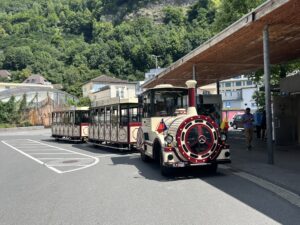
72, 108
114, 101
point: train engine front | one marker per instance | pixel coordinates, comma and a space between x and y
176, 136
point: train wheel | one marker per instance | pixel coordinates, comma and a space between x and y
165, 171
144, 157
212, 169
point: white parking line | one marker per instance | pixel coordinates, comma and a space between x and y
51, 148
52, 153
118, 156
62, 158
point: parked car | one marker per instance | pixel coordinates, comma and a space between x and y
237, 122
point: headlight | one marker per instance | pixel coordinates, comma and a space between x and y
169, 139
223, 137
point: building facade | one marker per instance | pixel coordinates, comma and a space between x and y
104, 86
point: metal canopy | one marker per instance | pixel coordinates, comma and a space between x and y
239, 48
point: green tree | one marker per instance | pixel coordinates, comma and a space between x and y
231, 10
174, 15
18, 58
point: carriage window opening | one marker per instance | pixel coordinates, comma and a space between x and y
53, 118
114, 115
85, 117
60, 118
72, 120
133, 115
124, 115
57, 118
147, 109
107, 116
94, 116
101, 116
81, 117
64, 116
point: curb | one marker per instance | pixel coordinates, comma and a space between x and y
237, 169
21, 128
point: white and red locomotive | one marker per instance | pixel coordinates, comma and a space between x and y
177, 137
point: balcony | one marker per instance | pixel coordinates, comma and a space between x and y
233, 95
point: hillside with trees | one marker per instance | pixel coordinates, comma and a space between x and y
70, 42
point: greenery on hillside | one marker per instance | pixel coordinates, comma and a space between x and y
69, 42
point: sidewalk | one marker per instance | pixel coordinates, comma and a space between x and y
286, 169
15, 129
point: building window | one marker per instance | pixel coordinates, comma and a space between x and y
249, 82
120, 92
227, 84
227, 104
238, 83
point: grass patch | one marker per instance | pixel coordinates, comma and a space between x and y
6, 125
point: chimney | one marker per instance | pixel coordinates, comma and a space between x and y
191, 84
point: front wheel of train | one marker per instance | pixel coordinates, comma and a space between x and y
144, 157
165, 171
212, 168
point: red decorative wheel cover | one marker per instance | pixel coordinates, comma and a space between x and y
197, 138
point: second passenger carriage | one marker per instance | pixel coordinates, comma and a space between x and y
114, 123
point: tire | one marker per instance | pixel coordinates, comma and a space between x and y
212, 169
235, 126
165, 171
144, 157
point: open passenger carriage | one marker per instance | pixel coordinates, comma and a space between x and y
114, 123
71, 124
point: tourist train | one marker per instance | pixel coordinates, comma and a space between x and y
173, 133
162, 123
72, 124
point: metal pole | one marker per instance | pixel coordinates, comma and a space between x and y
194, 72
268, 94
218, 87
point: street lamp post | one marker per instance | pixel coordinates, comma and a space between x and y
156, 60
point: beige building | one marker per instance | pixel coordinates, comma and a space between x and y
208, 89
104, 87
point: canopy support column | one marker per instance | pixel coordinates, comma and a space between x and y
194, 72
268, 94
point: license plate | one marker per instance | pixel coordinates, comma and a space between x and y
180, 164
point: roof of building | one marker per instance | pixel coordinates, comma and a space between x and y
25, 90
108, 79
36, 79
4, 74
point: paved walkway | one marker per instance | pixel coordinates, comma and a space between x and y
286, 169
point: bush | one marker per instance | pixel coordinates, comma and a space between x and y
6, 125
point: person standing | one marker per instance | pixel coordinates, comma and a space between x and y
263, 125
257, 122
248, 120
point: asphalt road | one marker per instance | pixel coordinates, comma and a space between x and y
47, 182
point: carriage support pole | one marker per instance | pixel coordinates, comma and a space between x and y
268, 94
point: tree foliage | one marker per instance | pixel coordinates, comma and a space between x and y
70, 42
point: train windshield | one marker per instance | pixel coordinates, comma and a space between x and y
165, 102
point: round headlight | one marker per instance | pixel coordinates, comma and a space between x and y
223, 137
169, 139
